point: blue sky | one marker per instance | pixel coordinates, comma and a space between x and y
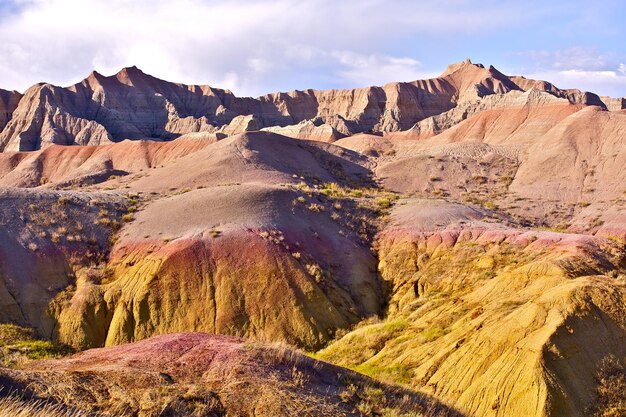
258, 46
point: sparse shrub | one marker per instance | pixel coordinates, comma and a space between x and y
383, 202
103, 221
113, 240
611, 377
315, 207
480, 179
215, 233
298, 378
596, 222
315, 271
32, 246
507, 180
375, 397
127, 218
349, 393
433, 333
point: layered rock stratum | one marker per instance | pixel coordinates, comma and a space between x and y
462, 236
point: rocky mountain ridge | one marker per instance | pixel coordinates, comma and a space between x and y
134, 105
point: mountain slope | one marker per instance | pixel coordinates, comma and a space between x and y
496, 321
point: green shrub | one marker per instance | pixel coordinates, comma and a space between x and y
19, 344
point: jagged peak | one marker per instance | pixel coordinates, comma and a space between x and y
95, 74
133, 69
452, 68
131, 74
127, 75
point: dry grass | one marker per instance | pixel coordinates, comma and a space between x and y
14, 407
611, 389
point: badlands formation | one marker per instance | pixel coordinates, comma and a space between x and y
443, 247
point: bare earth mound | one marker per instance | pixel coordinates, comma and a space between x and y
197, 374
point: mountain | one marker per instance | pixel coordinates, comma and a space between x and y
462, 236
134, 105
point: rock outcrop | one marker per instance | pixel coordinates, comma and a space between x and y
495, 321
308, 129
521, 103
8, 103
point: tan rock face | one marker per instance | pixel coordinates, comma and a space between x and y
614, 104
8, 103
308, 129
541, 103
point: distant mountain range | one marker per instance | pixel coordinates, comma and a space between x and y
135, 105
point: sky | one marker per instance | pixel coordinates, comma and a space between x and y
252, 47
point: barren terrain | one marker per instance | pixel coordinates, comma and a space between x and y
452, 246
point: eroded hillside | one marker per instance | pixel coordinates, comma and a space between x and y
474, 253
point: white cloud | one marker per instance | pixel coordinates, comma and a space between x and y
581, 58
604, 83
249, 46
579, 67
364, 70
